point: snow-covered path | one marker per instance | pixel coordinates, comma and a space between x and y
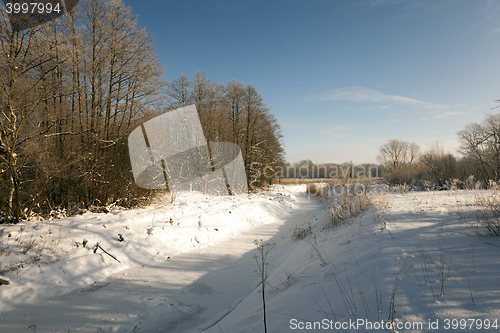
190, 292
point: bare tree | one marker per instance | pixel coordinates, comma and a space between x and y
235, 99
442, 166
481, 142
70, 91
254, 109
233, 113
400, 158
396, 153
26, 62
178, 92
121, 80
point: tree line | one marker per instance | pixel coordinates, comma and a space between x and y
71, 90
403, 162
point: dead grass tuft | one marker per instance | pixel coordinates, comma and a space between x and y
487, 211
349, 204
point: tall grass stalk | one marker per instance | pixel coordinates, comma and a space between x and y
264, 248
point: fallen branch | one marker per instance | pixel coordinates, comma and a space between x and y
97, 246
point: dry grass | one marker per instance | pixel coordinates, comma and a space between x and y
288, 280
345, 201
161, 198
381, 199
487, 211
349, 204
29, 244
5, 250
316, 189
47, 243
301, 229
31, 248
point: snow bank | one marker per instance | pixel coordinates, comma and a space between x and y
49, 258
412, 264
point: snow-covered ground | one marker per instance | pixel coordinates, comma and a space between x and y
191, 267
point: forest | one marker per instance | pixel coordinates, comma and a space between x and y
71, 91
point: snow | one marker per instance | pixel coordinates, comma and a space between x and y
190, 267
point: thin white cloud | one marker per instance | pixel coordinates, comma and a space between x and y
336, 132
445, 114
361, 94
497, 30
492, 4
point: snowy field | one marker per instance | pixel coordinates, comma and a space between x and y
411, 263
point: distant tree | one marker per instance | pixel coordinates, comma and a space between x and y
400, 158
396, 153
481, 142
442, 167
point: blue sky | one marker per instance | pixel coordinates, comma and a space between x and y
342, 77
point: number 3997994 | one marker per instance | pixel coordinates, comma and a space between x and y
32, 7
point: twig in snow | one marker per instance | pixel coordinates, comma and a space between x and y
473, 259
109, 254
470, 289
378, 295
